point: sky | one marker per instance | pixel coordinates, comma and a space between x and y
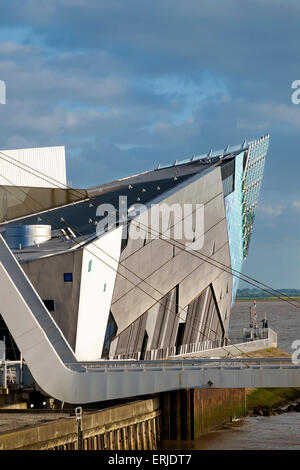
125, 85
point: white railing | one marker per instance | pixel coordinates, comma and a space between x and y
11, 374
157, 354
223, 363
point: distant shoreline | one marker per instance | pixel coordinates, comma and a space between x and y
266, 299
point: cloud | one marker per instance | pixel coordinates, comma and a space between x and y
125, 85
296, 205
13, 49
271, 210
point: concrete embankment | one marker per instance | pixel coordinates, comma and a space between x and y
267, 401
271, 401
132, 426
184, 414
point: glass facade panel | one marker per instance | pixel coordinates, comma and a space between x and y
251, 186
241, 204
234, 216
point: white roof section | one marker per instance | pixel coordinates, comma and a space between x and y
43, 167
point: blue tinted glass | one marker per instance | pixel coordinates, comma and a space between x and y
68, 277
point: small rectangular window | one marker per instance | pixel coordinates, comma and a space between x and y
49, 304
104, 287
90, 265
68, 277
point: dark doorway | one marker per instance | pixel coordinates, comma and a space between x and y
12, 351
179, 339
110, 334
144, 346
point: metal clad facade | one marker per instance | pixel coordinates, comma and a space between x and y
20, 167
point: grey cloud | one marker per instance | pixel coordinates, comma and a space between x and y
125, 85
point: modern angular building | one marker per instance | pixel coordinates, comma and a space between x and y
119, 287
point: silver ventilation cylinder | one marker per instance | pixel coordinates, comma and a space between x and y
22, 236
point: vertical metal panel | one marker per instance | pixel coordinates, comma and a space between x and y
27, 167
2, 351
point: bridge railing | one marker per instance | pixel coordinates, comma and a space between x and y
10, 374
184, 363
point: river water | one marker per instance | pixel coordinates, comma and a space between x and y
283, 318
280, 432
259, 432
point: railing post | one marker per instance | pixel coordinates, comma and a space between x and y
4, 384
78, 414
21, 371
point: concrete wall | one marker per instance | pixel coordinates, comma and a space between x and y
135, 426
98, 274
83, 305
47, 276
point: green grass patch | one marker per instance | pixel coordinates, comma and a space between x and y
270, 397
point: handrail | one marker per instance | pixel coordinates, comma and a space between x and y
178, 362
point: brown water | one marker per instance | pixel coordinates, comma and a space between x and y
259, 432
254, 433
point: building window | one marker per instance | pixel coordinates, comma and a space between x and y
90, 265
68, 277
49, 304
104, 288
